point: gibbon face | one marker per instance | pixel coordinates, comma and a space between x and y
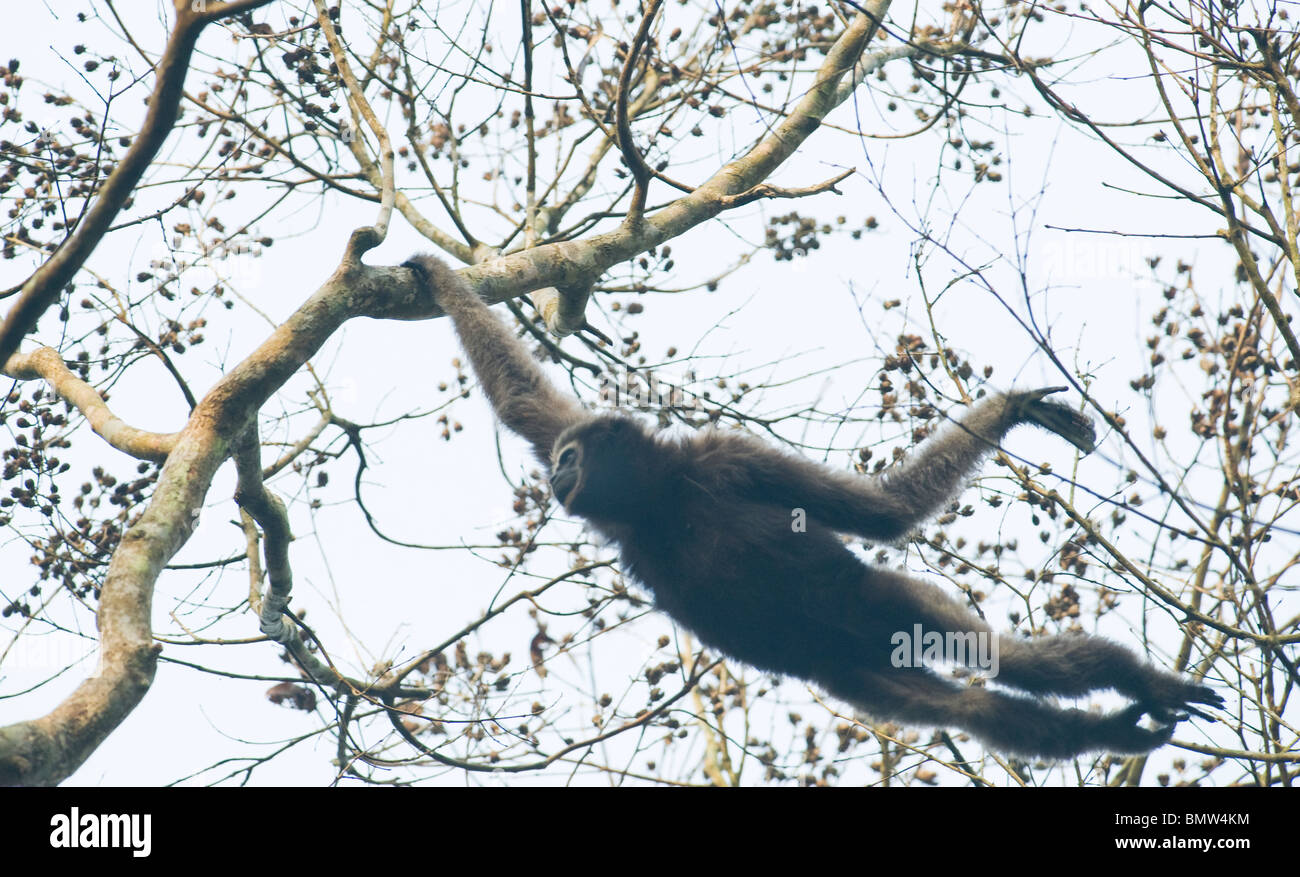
601, 469
566, 472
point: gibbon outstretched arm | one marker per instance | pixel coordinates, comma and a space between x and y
520, 393
890, 506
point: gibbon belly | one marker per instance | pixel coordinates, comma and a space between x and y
761, 592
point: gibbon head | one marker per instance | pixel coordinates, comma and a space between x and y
599, 468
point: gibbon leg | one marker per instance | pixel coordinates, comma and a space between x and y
1007, 723
1067, 665
1073, 664
892, 601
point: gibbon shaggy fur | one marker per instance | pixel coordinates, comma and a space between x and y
705, 523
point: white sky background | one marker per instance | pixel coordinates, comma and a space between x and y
783, 319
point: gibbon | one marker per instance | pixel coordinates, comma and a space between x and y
705, 523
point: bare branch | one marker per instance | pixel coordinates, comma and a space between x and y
361, 109
45, 363
764, 190
631, 155
43, 288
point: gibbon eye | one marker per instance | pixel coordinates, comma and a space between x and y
568, 455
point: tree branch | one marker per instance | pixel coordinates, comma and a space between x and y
45, 363
47, 749
631, 155
43, 288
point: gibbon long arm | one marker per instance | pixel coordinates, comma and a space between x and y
889, 506
520, 393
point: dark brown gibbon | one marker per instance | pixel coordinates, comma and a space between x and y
705, 523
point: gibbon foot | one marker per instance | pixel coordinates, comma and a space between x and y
1122, 732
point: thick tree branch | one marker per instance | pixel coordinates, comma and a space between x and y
569, 264
564, 310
